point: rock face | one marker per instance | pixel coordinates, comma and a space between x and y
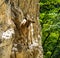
6, 31
19, 29
6, 40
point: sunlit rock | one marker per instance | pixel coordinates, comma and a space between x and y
8, 34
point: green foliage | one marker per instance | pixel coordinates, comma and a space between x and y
50, 22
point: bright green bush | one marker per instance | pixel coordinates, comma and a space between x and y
50, 22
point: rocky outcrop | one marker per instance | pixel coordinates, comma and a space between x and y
6, 31
20, 35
